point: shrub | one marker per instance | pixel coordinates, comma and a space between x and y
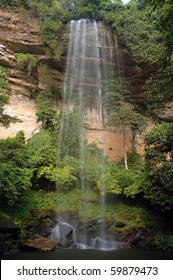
26, 61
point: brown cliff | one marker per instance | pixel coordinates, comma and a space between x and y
20, 34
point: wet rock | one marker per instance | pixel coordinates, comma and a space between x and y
40, 243
62, 235
41, 223
93, 222
44, 214
109, 223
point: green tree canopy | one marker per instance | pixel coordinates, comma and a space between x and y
158, 187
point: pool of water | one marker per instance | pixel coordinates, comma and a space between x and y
91, 254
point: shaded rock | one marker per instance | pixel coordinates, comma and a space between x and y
93, 222
62, 235
166, 113
138, 237
44, 214
94, 226
40, 243
109, 223
119, 224
9, 233
7, 224
7, 57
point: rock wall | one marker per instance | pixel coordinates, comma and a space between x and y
19, 33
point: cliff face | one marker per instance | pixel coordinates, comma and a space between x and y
20, 34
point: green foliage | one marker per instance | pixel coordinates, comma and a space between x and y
14, 175
137, 29
159, 85
62, 176
65, 178
122, 115
158, 187
5, 119
14, 150
41, 149
70, 138
14, 182
45, 113
164, 241
164, 11
86, 166
108, 184
4, 85
159, 90
51, 31
42, 153
92, 165
26, 61
33, 200
6, 3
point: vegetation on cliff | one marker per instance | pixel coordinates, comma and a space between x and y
5, 119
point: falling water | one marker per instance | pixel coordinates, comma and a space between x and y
88, 70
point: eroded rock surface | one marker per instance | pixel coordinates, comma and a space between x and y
40, 243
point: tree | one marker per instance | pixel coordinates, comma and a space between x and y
164, 11
45, 113
42, 153
122, 115
26, 61
15, 176
158, 184
137, 30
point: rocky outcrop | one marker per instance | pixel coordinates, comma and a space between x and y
20, 33
40, 243
138, 237
166, 113
7, 57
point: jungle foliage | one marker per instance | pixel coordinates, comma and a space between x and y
47, 160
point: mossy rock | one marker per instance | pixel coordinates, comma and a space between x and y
7, 224
44, 214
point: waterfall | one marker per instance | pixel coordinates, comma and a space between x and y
88, 71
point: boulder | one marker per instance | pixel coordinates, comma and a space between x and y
40, 243
95, 225
166, 113
62, 235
